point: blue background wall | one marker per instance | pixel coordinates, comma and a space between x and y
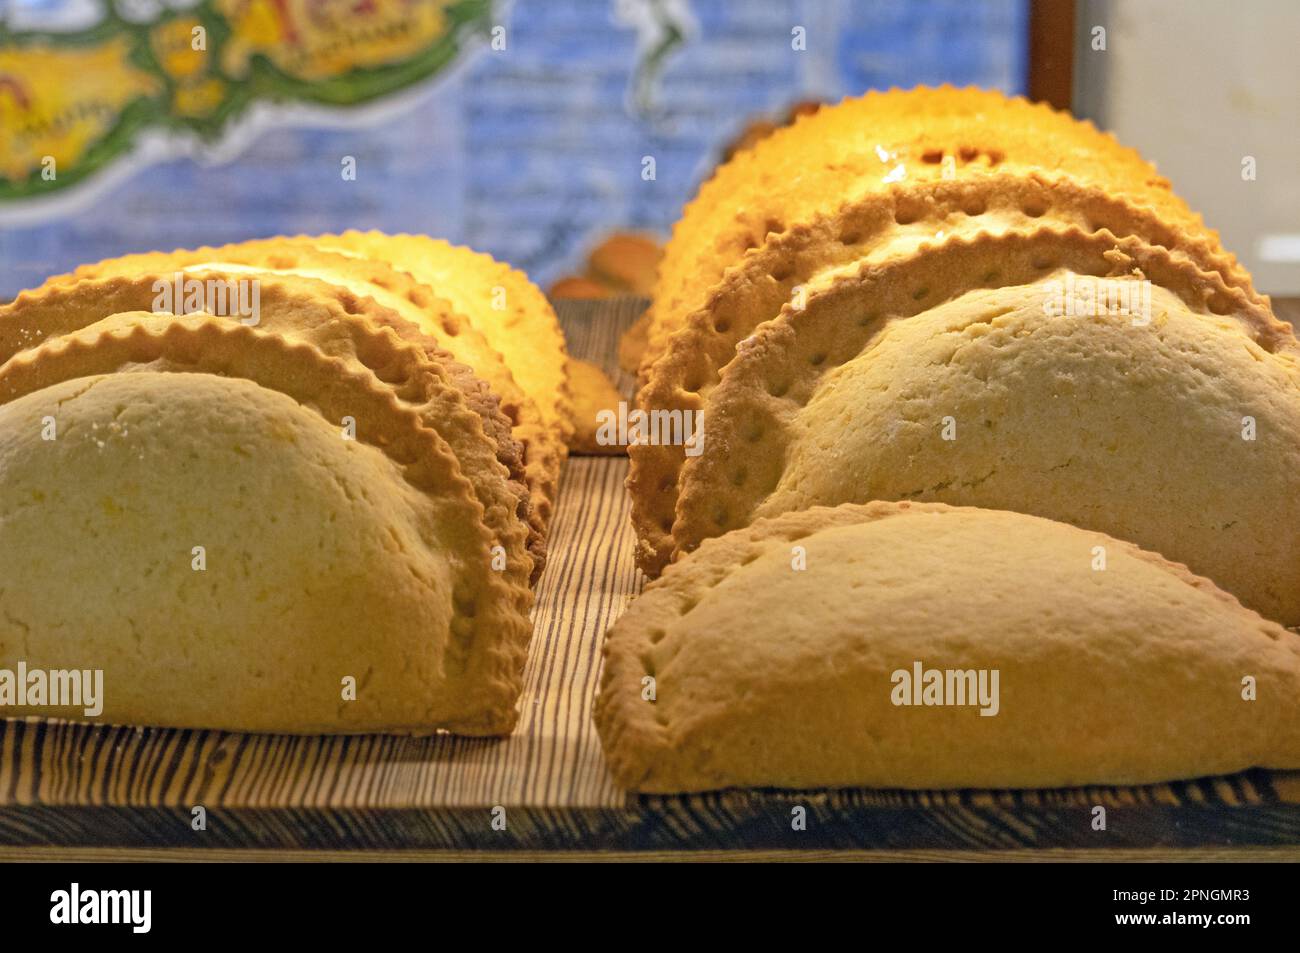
533, 152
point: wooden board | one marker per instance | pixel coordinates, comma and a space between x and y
70, 786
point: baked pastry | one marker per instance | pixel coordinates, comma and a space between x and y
446, 395
759, 129
1181, 434
391, 288
594, 394
632, 345
842, 152
323, 559
786, 655
626, 262
922, 221
510, 312
576, 287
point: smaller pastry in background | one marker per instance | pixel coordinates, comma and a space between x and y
593, 392
628, 261
579, 288
624, 263
632, 345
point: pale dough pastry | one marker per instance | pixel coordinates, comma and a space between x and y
925, 220
772, 658
324, 560
393, 289
1181, 435
593, 394
368, 336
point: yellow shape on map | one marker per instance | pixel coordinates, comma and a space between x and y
57, 102
322, 39
173, 45
198, 98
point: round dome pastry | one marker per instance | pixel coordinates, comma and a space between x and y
917, 645
237, 559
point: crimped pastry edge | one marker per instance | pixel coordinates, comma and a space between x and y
363, 320
270, 253
545, 438
537, 312
655, 477
426, 461
1203, 292
720, 186
631, 735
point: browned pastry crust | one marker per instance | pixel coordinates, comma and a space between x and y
511, 314
865, 144
342, 324
393, 289
436, 637
769, 658
911, 227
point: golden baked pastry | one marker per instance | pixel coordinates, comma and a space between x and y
842, 152
577, 287
324, 559
395, 290
447, 395
759, 129
626, 261
911, 220
510, 312
593, 394
1179, 432
786, 655
632, 345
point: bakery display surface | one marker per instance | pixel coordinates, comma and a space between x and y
91, 791
959, 512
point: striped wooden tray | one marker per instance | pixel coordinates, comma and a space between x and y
546, 787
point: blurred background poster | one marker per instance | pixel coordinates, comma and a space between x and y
535, 130
529, 130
